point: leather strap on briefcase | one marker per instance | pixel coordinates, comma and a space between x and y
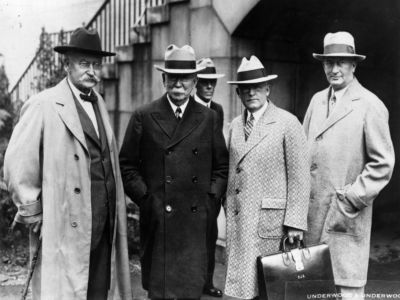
295, 274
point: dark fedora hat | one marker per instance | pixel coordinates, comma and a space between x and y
84, 40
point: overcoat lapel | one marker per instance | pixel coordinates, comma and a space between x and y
68, 113
259, 132
342, 108
164, 117
192, 117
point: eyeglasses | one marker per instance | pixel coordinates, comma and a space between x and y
174, 78
86, 65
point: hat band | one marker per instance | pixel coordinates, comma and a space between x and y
338, 48
180, 64
252, 74
208, 70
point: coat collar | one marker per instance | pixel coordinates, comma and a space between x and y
259, 132
342, 108
165, 118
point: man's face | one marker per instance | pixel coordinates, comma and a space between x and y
339, 72
179, 86
253, 96
205, 88
83, 70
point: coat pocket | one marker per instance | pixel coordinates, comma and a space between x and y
339, 221
272, 214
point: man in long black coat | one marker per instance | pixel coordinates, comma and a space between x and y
205, 88
174, 165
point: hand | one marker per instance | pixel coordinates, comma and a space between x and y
37, 228
294, 234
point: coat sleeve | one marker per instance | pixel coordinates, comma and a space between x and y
23, 163
380, 158
307, 118
129, 159
298, 176
219, 177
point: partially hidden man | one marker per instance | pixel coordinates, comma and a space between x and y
352, 160
62, 170
268, 183
174, 164
205, 88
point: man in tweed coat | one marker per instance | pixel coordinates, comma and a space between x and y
351, 161
268, 183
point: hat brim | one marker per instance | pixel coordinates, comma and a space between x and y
178, 71
66, 48
256, 80
210, 76
321, 57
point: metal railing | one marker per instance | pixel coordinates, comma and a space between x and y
113, 20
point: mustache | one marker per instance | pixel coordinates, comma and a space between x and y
93, 78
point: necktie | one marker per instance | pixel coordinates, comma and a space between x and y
178, 112
92, 98
331, 104
249, 126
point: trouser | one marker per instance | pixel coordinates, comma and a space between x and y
100, 268
212, 237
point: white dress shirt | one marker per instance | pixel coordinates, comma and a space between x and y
201, 101
87, 106
257, 114
174, 107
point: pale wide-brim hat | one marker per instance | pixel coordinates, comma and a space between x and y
179, 60
252, 71
209, 71
339, 44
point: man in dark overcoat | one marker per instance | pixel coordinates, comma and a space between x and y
174, 164
205, 88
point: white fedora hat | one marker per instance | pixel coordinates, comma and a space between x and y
252, 71
179, 60
339, 44
209, 71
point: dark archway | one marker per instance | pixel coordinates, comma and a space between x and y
285, 33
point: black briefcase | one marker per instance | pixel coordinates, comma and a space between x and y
296, 274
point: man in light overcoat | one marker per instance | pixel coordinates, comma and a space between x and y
268, 182
61, 167
352, 160
174, 165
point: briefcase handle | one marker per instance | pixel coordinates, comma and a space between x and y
299, 244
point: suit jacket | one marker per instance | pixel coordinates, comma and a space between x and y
268, 188
175, 171
220, 113
47, 170
352, 159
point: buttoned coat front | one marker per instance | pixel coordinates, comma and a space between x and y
175, 171
46, 168
352, 159
268, 189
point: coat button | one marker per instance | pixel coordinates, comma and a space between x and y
238, 170
194, 179
193, 209
236, 212
168, 152
195, 151
74, 224
76, 156
168, 208
168, 179
313, 166
77, 190
237, 191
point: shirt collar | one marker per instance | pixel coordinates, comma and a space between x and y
257, 115
339, 94
174, 107
201, 101
77, 93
